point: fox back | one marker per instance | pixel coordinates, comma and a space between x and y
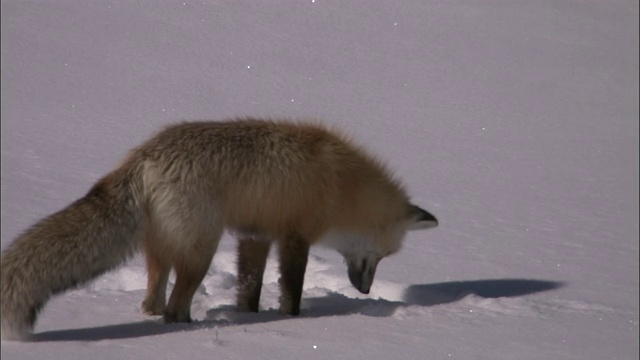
275, 177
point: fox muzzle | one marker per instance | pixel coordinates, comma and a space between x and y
361, 273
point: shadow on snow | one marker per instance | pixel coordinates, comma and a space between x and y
330, 305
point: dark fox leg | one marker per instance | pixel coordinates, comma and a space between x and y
293, 253
252, 258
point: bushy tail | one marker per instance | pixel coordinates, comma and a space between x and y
89, 237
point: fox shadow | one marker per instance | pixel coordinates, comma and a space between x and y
332, 304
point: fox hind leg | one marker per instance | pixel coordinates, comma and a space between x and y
293, 253
252, 259
190, 270
158, 270
187, 224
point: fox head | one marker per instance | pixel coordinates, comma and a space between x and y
363, 252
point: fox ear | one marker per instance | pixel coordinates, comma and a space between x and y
421, 219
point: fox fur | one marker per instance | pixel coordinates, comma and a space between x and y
267, 182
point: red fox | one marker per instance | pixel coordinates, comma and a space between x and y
172, 197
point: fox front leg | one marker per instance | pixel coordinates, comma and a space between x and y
252, 259
293, 254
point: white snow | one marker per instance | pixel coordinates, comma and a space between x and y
515, 123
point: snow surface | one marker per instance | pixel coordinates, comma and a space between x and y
515, 122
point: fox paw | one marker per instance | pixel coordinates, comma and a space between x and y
288, 306
152, 309
248, 306
170, 317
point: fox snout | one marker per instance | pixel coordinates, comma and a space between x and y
362, 272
